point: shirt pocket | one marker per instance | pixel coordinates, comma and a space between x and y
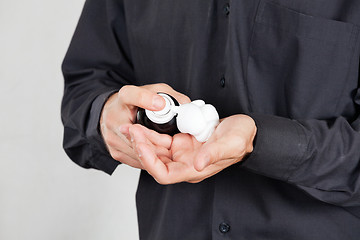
298, 64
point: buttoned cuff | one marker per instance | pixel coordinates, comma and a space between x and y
279, 147
103, 160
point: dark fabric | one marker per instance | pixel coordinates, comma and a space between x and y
291, 65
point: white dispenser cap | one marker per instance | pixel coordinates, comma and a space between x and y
166, 114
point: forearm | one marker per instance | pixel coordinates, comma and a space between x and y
320, 157
96, 65
82, 140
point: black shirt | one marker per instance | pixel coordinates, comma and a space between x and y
291, 65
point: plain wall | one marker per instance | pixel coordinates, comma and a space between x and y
43, 194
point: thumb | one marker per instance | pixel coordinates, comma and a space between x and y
208, 154
141, 97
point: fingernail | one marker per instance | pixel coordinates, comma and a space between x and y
158, 102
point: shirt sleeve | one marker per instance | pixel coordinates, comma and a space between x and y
96, 65
320, 157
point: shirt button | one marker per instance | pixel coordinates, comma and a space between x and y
227, 9
224, 227
222, 82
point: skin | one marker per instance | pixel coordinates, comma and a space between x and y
120, 109
180, 158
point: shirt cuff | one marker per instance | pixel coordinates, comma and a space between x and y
279, 147
103, 160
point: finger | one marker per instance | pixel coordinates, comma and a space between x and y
163, 173
210, 171
141, 97
126, 139
151, 163
181, 98
118, 143
125, 159
208, 154
163, 87
164, 159
138, 134
163, 154
154, 137
124, 130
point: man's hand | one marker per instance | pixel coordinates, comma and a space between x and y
191, 161
119, 113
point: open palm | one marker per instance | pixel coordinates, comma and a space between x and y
183, 158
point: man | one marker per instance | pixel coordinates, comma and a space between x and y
284, 77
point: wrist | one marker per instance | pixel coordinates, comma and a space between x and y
108, 103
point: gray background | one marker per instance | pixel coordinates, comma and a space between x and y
43, 195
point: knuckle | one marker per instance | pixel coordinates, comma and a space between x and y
163, 86
117, 155
162, 180
107, 124
156, 87
241, 143
107, 121
250, 148
184, 99
110, 140
123, 91
105, 135
103, 129
141, 99
194, 181
113, 154
242, 147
